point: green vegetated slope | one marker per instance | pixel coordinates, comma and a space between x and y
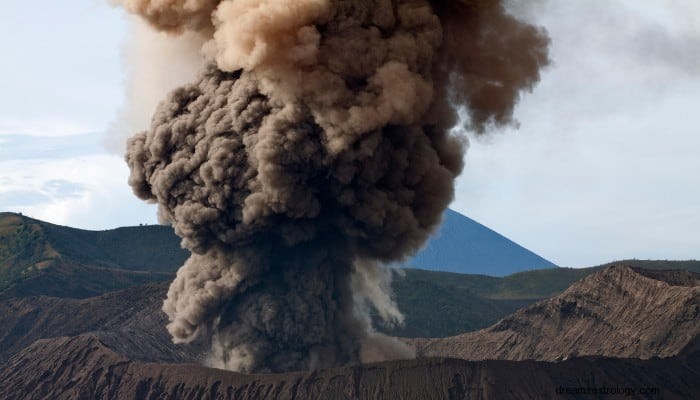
38, 258
24, 250
77, 281
434, 307
153, 248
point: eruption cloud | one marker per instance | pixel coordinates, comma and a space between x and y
314, 148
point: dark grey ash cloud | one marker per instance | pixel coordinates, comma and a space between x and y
313, 148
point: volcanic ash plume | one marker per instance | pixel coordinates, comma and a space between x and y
313, 149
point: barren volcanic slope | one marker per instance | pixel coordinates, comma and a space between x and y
114, 345
619, 312
131, 321
84, 367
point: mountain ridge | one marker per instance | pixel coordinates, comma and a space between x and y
116, 346
86, 367
113, 344
480, 250
613, 298
458, 303
600, 315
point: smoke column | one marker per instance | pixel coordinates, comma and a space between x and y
315, 147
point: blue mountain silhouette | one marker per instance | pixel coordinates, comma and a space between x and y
465, 246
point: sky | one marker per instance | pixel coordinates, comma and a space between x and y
603, 165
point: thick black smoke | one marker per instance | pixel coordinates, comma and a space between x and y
313, 148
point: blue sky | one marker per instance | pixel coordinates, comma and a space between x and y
605, 164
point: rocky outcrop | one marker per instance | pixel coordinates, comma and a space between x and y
618, 312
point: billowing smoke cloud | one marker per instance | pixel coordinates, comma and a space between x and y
314, 147
156, 62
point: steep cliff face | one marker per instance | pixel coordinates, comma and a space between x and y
618, 312
84, 367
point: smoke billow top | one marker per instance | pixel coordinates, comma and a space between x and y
314, 148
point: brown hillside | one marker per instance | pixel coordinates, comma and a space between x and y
130, 320
618, 312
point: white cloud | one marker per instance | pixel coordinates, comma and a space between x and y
45, 128
60, 66
604, 164
103, 201
27, 147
